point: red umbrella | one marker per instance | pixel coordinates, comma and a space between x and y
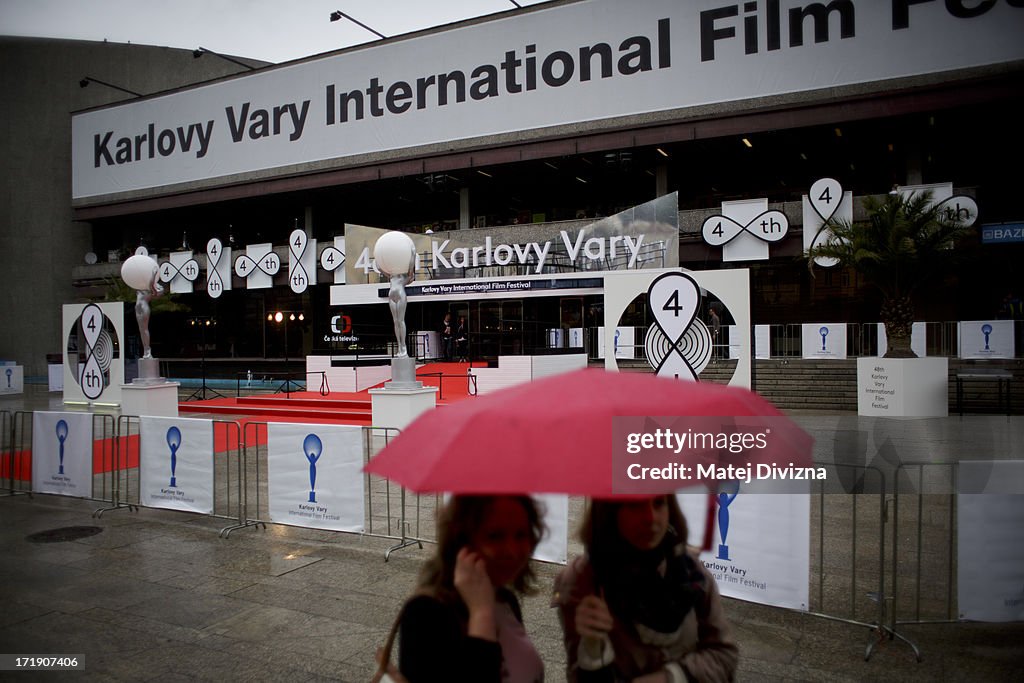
555, 435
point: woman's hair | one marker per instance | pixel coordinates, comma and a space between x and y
457, 523
601, 524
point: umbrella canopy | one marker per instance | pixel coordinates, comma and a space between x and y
555, 435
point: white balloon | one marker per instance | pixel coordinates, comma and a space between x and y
137, 271
393, 253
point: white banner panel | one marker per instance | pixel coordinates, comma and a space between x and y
990, 555
986, 338
578, 62
761, 547
823, 340
315, 477
176, 464
762, 341
12, 379
554, 547
62, 453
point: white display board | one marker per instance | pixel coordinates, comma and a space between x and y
622, 340
554, 547
93, 349
762, 341
62, 453
990, 555
575, 337
314, 476
918, 339
761, 546
986, 338
12, 379
903, 387
825, 201
731, 287
823, 340
176, 463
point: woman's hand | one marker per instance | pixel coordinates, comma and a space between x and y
476, 590
593, 618
593, 622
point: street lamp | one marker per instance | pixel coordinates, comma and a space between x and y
285, 318
338, 14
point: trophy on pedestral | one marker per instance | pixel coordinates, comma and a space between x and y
395, 256
140, 273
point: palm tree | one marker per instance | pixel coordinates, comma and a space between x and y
903, 242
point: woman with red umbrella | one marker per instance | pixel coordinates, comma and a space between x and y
638, 606
464, 622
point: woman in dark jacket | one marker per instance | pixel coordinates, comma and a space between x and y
639, 606
464, 622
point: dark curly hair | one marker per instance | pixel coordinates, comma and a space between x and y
457, 524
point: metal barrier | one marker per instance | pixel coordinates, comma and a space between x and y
415, 522
856, 596
248, 460
469, 377
928, 553
7, 448
103, 447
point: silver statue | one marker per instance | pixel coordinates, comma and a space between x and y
397, 302
142, 311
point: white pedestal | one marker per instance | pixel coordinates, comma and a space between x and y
396, 408
157, 400
903, 387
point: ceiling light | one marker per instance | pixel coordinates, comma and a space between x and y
661, 151
485, 174
581, 180
803, 156
839, 132
747, 142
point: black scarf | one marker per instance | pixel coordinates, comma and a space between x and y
637, 593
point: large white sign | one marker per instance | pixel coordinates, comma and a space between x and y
176, 463
990, 556
761, 546
986, 339
315, 476
62, 453
562, 65
93, 352
823, 340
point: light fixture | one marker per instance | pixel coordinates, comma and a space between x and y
803, 156
199, 52
747, 142
278, 317
270, 317
661, 151
891, 147
89, 79
484, 174
839, 132
338, 14
581, 180
291, 317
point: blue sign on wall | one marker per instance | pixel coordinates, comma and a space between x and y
998, 233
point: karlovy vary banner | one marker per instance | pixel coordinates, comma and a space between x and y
570, 64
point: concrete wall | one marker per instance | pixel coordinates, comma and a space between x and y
39, 242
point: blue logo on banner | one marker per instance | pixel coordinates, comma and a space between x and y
173, 442
62, 434
824, 333
986, 330
8, 371
725, 497
312, 447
